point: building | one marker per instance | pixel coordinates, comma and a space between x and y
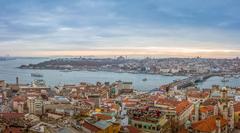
213, 124
124, 87
193, 96
2, 84
147, 120
93, 125
237, 115
35, 105
179, 110
18, 104
96, 99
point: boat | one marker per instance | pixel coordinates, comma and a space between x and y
36, 75
145, 79
66, 70
236, 76
167, 74
225, 80
92, 70
227, 76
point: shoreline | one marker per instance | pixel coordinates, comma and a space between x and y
68, 71
221, 74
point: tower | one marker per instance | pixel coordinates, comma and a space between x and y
17, 81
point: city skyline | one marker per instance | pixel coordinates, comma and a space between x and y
107, 28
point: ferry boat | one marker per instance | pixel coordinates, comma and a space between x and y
36, 75
167, 74
66, 70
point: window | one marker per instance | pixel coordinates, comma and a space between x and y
139, 126
153, 128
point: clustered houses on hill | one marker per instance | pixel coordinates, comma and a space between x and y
166, 66
117, 108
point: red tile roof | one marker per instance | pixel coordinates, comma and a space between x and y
12, 130
182, 130
167, 102
237, 107
197, 94
206, 109
132, 129
210, 101
103, 117
209, 124
91, 127
182, 106
19, 99
11, 115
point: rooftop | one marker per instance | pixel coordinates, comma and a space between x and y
209, 124
210, 101
13, 130
144, 114
237, 107
167, 102
197, 94
132, 129
205, 109
182, 106
19, 98
103, 117
11, 115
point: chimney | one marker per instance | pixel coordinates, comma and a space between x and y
218, 124
17, 81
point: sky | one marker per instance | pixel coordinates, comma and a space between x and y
165, 28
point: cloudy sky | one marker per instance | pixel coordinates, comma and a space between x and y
208, 28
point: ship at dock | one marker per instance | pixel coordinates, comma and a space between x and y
36, 75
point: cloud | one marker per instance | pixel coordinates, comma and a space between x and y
60, 25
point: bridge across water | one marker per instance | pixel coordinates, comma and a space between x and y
180, 84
